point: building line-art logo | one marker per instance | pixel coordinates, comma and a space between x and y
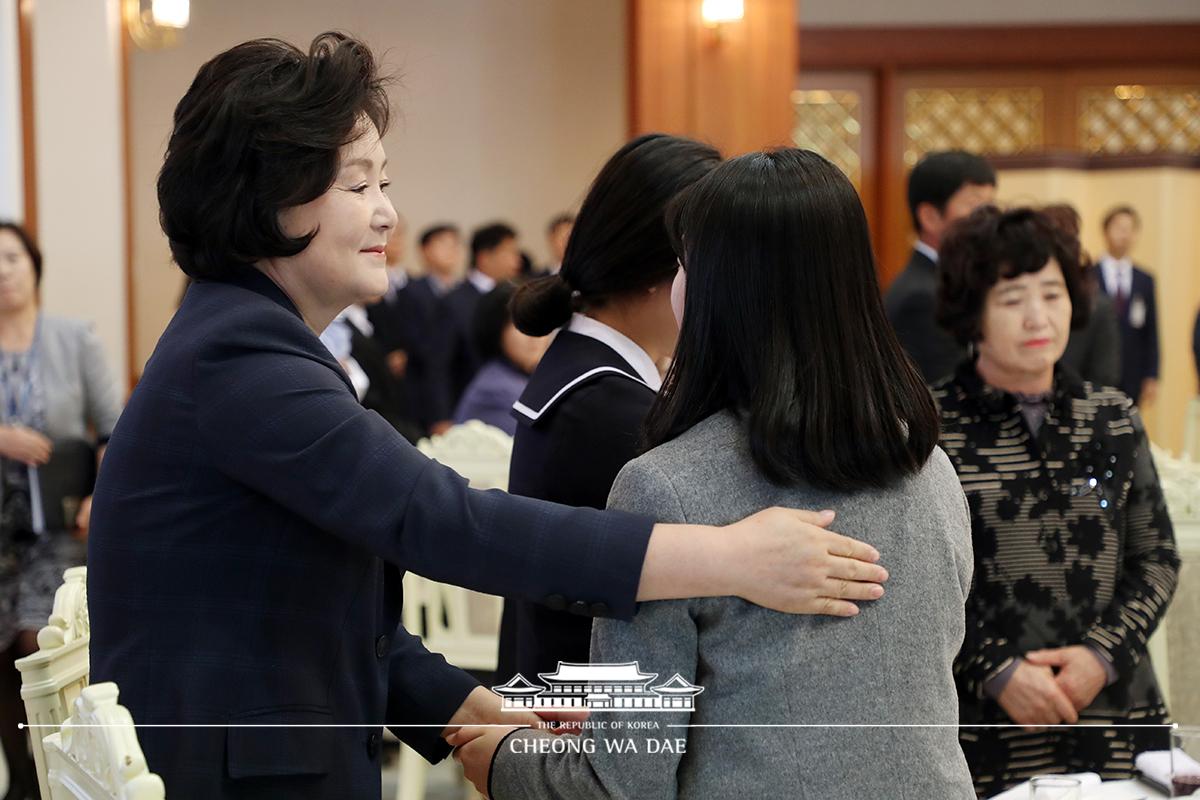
599, 687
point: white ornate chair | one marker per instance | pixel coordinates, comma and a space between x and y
96, 755
1180, 480
3, 774
1191, 431
462, 625
53, 677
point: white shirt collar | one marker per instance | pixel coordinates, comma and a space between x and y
625, 347
925, 249
356, 315
1117, 273
484, 283
439, 286
397, 278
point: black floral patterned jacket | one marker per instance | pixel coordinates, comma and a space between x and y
1072, 540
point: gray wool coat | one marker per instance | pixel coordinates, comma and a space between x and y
767, 675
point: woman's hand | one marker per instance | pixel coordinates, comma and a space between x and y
788, 562
483, 707
474, 749
25, 445
83, 517
1033, 698
1079, 672
780, 559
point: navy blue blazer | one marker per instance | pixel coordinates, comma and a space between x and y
911, 303
578, 423
458, 324
250, 528
411, 320
1139, 333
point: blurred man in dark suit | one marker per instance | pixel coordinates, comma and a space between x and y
942, 188
409, 324
1132, 291
495, 258
558, 232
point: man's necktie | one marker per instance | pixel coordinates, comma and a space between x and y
1121, 300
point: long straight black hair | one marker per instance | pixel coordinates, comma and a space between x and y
784, 326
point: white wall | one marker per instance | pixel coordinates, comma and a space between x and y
882, 13
12, 189
505, 109
80, 166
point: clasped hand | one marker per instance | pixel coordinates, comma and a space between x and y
1051, 687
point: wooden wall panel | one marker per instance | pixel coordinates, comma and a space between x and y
28, 135
728, 86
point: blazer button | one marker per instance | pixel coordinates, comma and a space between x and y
556, 602
600, 610
381, 647
579, 607
373, 746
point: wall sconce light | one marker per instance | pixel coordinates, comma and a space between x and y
154, 24
718, 12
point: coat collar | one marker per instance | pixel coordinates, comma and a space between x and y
256, 281
571, 361
1067, 387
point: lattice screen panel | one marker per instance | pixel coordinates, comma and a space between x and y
995, 121
1139, 119
830, 123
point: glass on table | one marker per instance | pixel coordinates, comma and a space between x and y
1055, 787
1185, 761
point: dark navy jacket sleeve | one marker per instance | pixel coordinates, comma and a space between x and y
413, 670
279, 419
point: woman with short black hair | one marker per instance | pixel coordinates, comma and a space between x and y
1075, 558
252, 521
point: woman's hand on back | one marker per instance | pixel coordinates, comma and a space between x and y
787, 561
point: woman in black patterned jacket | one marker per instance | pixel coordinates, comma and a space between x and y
1075, 558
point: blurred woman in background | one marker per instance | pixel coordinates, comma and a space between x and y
59, 405
509, 356
1075, 558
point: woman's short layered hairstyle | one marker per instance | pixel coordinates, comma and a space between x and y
260, 130
992, 244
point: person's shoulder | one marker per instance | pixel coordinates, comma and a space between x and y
939, 471
609, 396
1096, 396
911, 288
496, 376
222, 321
716, 438
66, 327
582, 380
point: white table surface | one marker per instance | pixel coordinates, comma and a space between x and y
1112, 790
